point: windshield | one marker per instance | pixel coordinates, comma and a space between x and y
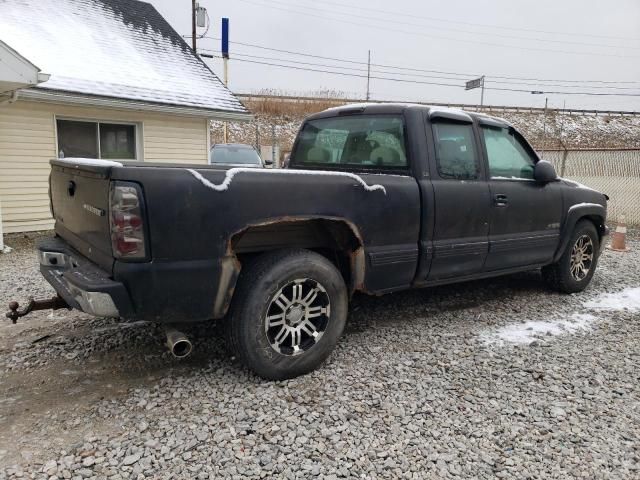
234, 155
358, 141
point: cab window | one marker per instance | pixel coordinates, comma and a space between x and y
357, 141
456, 155
508, 157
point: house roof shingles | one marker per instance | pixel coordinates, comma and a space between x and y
122, 49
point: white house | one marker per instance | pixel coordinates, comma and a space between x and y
98, 79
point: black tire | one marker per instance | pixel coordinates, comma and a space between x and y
280, 272
559, 275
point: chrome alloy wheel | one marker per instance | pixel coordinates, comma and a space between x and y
582, 257
297, 316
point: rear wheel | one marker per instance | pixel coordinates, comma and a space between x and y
575, 268
288, 313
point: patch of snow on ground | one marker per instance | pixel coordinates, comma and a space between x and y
628, 299
528, 332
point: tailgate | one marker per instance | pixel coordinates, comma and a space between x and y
80, 200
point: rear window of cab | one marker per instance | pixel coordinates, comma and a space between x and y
355, 141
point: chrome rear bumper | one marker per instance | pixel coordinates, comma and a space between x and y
83, 285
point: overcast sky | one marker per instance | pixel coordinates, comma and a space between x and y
555, 40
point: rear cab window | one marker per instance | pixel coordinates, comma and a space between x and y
352, 142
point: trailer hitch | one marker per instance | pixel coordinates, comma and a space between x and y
54, 303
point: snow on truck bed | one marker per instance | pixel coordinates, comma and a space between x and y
112, 48
230, 173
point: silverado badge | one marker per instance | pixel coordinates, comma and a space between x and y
95, 210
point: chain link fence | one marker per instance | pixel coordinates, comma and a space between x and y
615, 172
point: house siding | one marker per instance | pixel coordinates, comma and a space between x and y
28, 142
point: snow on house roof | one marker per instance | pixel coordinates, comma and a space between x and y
121, 49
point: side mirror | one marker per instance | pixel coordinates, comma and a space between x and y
544, 172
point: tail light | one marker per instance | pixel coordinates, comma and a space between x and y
126, 221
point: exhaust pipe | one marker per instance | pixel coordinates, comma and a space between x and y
178, 343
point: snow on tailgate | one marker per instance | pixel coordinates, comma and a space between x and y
112, 48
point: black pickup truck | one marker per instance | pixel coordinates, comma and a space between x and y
375, 199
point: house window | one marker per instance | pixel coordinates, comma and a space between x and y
96, 140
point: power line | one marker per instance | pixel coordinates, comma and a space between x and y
333, 72
602, 87
292, 52
396, 67
481, 25
245, 55
456, 30
236, 54
439, 37
567, 81
346, 74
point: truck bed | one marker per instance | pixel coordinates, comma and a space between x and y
196, 215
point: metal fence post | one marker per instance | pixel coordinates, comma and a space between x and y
273, 145
563, 163
257, 135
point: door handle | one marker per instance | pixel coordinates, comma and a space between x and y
500, 200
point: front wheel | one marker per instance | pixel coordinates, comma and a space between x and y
573, 272
288, 312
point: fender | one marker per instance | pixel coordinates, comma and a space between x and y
231, 266
575, 213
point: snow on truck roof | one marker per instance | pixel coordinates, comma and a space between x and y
396, 107
112, 48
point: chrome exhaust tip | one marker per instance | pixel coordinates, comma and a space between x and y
178, 343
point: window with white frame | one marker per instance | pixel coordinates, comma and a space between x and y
78, 138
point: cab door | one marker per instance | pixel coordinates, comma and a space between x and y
525, 215
461, 204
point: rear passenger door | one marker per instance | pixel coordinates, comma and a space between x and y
461, 198
525, 215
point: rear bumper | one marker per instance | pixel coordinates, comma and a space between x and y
83, 285
157, 291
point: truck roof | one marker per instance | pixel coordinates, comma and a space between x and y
396, 108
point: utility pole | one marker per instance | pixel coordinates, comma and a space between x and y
368, 75
225, 61
482, 92
193, 25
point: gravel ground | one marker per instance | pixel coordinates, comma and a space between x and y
499, 378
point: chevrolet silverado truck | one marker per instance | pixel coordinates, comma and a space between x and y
375, 199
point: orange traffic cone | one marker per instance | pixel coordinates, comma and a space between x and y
618, 238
